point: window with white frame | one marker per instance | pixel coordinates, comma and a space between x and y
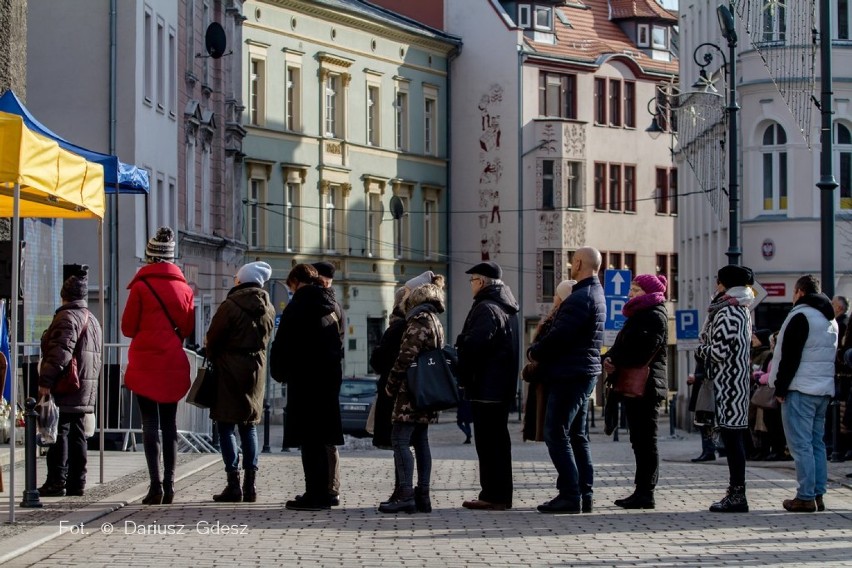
774, 156
332, 105
843, 147
330, 219
544, 18
190, 182
291, 216
293, 96
253, 213
643, 35
557, 94
373, 115
161, 64
401, 226
257, 80
333, 207
172, 74
148, 41
843, 21
524, 16
401, 112
574, 185
430, 223
773, 28
373, 238
660, 37
206, 189
429, 123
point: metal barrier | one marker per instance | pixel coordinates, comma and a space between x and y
121, 411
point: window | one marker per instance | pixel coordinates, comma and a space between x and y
600, 100
557, 95
642, 35
615, 187
604, 265
291, 191
574, 185
661, 195
843, 143
614, 102
190, 182
148, 79
401, 232
548, 275
161, 65
429, 126
256, 92
430, 235
206, 190
293, 98
524, 16
544, 18
615, 260
774, 168
630, 188
332, 88
660, 38
774, 22
373, 114
253, 216
663, 266
330, 208
673, 191
843, 19
630, 262
401, 109
172, 74
374, 219
547, 187
600, 186
630, 104
673, 288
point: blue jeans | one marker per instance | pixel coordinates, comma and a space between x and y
228, 444
803, 416
567, 437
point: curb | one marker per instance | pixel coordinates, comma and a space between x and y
27, 541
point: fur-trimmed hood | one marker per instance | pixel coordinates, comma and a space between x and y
425, 294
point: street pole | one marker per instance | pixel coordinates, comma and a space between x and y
726, 21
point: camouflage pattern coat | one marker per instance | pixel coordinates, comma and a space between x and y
423, 332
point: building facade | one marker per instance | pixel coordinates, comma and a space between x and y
346, 151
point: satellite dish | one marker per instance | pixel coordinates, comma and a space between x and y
215, 41
397, 210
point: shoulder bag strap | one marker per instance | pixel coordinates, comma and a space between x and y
82, 333
165, 311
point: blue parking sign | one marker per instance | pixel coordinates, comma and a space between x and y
614, 318
617, 282
686, 324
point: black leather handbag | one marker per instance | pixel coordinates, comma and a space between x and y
431, 383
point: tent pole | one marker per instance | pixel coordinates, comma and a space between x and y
101, 386
13, 343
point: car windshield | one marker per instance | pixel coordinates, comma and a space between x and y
357, 388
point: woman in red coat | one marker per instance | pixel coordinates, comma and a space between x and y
157, 318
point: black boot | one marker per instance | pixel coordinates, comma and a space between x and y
155, 494
393, 497
168, 491
404, 503
708, 446
734, 502
232, 492
640, 499
249, 489
422, 501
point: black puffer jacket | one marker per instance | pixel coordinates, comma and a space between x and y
307, 354
57, 347
382, 360
488, 346
644, 333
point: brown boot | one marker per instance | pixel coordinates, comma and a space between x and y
249, 489
232, 492
800, 505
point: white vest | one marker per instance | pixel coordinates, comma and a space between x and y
815, 375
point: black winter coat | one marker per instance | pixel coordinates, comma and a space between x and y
57, 347
236, 344
307, 355
572, 346
489, 346
382, 360
643, 334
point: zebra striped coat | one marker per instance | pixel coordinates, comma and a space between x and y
725, 349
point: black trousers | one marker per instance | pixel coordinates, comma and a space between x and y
157, 417
67, 458
642, 415
315, 466
494, 450
734, 439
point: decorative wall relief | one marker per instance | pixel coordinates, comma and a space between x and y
574, 229
548, 141
548, 229
491, 171
574, 136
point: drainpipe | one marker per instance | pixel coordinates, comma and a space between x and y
448, 300
521, 320
110, 318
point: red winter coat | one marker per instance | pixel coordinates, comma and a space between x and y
157, 366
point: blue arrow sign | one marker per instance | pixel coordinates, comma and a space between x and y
617, 282
686, 324
614, 318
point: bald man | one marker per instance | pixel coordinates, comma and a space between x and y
570, 356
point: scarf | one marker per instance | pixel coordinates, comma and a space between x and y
643, 302
736, 296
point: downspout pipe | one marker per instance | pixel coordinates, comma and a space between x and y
522, 321
111, 317
453, 55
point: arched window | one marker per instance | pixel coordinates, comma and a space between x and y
774, 168
843, 146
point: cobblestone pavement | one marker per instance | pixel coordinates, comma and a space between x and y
680, 532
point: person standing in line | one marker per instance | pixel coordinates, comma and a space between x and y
307, 355
422, 302
325, 270
73, 333
643, 341
570, 358
236, 345
489, 358
725, 349
701, 403
158, 317
803, 376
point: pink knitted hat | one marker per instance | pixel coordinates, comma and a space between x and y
651, 283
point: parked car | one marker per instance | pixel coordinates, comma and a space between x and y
357, 396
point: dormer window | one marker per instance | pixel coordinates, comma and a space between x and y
659, 38
544, 18
642, 35
524, 16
